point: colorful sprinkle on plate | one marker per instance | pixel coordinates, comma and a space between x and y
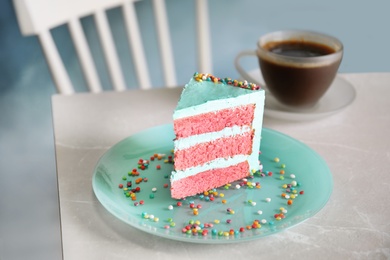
221, 215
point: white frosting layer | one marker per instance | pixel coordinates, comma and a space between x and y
215, 164
184, 143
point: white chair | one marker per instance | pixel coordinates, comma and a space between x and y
38, 17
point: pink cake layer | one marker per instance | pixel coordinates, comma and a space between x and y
208, 180
220, 148
214, 121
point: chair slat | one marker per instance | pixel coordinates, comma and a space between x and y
110, 54
203, 35
165, 44
136, 46
84, 55
38, 17
61, 77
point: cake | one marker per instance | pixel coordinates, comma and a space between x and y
217, 125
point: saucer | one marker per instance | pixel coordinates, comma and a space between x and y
340, 95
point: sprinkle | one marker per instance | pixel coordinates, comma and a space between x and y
154, 189
283, 210
170, 207
268, 199
208, 77
276, 159
292, 176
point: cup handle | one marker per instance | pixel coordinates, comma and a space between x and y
240, 70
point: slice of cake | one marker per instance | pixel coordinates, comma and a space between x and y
217, 124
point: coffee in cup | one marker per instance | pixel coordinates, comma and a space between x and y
297, 66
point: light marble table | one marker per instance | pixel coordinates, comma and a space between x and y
355, 143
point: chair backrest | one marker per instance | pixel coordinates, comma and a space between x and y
38, 17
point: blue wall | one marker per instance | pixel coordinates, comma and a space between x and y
28, 205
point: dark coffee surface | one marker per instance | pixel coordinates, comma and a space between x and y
299, 48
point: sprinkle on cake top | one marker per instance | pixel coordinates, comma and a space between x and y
241, 84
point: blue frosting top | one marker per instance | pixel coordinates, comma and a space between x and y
204, 87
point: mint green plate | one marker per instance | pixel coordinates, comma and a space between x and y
154, 216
